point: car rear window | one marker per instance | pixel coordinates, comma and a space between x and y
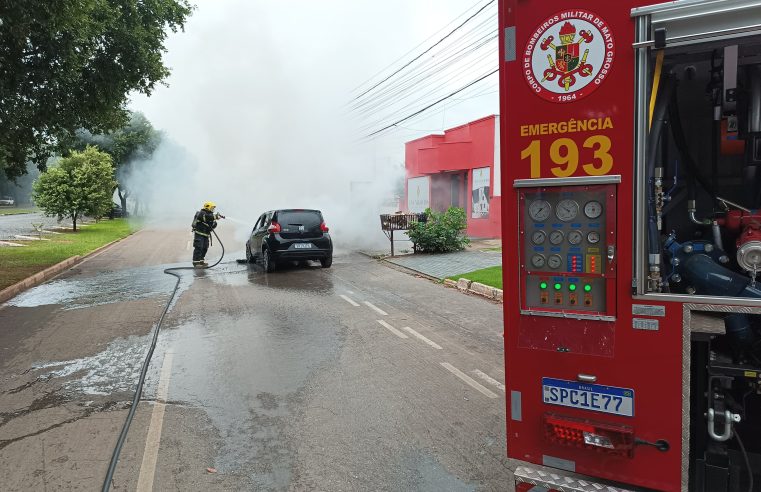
310, 219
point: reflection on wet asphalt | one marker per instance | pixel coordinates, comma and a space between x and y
77, 291
247, 361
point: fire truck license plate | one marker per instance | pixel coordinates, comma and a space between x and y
595, 397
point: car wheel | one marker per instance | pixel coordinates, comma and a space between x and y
327, 262
267, 262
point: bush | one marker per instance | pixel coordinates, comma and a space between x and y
442, 232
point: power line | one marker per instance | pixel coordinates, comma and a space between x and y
413, 49
432, 104
426, 51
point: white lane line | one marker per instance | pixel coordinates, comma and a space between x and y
150, 455
468, 380
347, 299
421, 337
376, 309
187, 246
489, 379
391, 329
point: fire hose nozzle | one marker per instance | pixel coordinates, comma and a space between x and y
220, 216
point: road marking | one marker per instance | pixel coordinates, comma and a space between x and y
150, 455
489, 379
421, 337
347, 299
468, 380
376, 309
392, 329
187, 246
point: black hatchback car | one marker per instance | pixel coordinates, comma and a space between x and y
289, 235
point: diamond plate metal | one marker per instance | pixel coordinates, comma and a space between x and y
561, 483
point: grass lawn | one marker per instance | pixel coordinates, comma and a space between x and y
488, 276
17, 211
18, 263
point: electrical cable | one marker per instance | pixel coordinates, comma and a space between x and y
144, 370
747, 461
432, 104
426, 51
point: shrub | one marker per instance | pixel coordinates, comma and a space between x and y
442, 232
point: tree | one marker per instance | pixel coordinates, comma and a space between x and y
70, 64
81, 184
127, 146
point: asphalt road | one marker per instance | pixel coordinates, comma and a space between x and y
10, 225
357, 377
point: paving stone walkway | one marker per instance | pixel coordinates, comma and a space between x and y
445, 265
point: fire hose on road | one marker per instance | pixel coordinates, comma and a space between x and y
139, 390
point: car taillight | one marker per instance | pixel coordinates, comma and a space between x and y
274, 228
601, 437
323, 227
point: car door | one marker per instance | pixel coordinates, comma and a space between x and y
257, 234
251, 244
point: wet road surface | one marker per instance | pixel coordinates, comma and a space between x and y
357, 377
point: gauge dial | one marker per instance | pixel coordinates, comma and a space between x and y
567, 210
593, 237
556, 237
538, 237
539, 210
593, 209
538, 261
554, 261
575, 237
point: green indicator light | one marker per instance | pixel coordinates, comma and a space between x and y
571, 287
587, 288
558, 286
543, 285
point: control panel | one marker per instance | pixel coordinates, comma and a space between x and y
568, 249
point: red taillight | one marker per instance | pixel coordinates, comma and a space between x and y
323, 227
604, 438
274, 228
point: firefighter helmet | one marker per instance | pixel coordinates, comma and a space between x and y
209, 205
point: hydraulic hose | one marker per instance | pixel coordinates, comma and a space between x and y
139, 389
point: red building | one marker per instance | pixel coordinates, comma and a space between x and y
459, 168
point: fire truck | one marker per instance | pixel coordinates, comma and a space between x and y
631, 178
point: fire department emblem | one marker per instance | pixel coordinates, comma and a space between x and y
568, 56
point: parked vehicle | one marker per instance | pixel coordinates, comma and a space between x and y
116, 211
289, 235
7, 201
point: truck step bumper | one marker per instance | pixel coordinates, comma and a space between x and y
554, 482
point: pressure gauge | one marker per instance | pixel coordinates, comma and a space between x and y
593, 237
538, 261
554, 261
538, 237
567, 210
575, 237
593, 209
539, 210
556, 237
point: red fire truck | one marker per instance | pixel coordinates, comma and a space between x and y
631, 158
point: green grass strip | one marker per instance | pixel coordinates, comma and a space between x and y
17, 211
491, 276
18, 263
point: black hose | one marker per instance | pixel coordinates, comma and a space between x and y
653, 138
144, 370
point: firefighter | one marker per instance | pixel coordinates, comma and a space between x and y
204, 222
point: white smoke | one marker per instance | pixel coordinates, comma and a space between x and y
253, 115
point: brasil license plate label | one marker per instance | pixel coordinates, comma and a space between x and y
302, 245
594, 397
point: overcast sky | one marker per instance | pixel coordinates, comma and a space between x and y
256, 109
263, 58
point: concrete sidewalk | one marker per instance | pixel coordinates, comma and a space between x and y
445, 265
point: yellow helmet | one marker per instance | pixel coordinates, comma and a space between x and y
209, 205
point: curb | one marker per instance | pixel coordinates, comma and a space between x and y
469, 287
50, 272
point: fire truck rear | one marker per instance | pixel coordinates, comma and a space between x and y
631, 167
